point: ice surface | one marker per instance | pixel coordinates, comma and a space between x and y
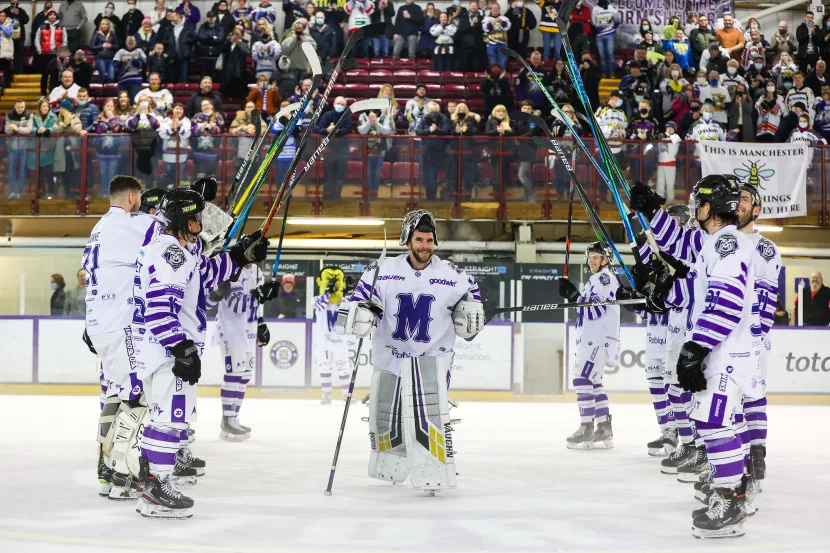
519, 488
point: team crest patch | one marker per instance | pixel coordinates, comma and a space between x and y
766, 249
605, 280
726, 245
284, 354
174, 257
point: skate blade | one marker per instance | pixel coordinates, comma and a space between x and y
668, 470
688, 477
579, 447
734, 531
661, 452
702, 497
184, 481
606, 444
122, 494
104, 489
228, 437
151, 510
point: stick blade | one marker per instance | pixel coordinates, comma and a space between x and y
372, 30
313, 59
373, 103
542, 143
505, 51
563, 16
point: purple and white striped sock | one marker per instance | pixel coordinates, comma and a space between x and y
584, 399
160, 443
742, 431
325, 382
725, 453
600, 403
756, 418
245, 378
660, 400
230, 393
345, 379
684, 424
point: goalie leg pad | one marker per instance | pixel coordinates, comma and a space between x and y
427, 426
125, 448
109, 411
388, 459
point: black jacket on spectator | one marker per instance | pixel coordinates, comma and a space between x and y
718, 63
210, 40
226, 21
802, 35
194, 104
411, 26
747, 126
40, 19
326, 41
469, 35
340, 146
816, 308
591, 78
180, 49
815, 82
235, 75
700, 39
522, 21
785, 128
115, 23
57, 301
130, 24
148, 44
496, 91
525, 149
435, 151
389, 12
83, 74
159, 64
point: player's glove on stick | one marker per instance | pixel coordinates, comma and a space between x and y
568, 290
690, 367
263, 336
88, 342
468, 317
187, 364
626, 294
645, 200
221, 292
266, 292
249, 249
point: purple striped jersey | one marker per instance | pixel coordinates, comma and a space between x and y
325, 315
767, 262
236, 315
601, 323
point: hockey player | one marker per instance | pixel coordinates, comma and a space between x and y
418, 300
240, 329
109, 262
718, 363
655, 357
330, 349
167, 333
597, 345
151, 200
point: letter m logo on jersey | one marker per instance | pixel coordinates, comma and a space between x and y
413, 318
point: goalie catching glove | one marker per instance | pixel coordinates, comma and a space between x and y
187, 364
468, 317
356, 319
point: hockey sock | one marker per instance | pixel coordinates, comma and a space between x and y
660, 399
160, 443
600, 403
742, 431
325, 382
104, 384
244, 378
687, 403
230, 393
756, 418
345, 379
685, 428
584, 399
725, 453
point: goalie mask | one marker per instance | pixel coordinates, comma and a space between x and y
421, 220
329, 274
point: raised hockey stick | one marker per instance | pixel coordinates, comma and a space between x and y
378, 263
242, 173
490, 313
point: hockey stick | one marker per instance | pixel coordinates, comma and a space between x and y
490, 313
363, 105
354, 374
242, 173
570, 224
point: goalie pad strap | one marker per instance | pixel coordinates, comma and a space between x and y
388, 460
108, 413
125, 447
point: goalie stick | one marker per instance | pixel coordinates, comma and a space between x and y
490, 313
242, 173
378, 263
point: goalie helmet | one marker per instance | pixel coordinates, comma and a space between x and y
421, 220
151, 199
681, 211
721, 193
326, 276
180, 206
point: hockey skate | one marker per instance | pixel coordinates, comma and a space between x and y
230, 430
679, 457
690, 472
183, 476
326, 401
242, 426
191, 435
186, 458
104, 475
665, 444
703, 488
723, 518
749, 489
583, 438
603, 435
161, 499
124, 487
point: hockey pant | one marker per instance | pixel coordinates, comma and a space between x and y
171, 404
330, 360
665, 181
659, 393
719, 420
118, 374
409, 424
755, 407
588, 370
680, 401
239, 369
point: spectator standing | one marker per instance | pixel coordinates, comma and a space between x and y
789, 122
630, 81
235, 75
19, 125
496, 89
243, 128
104, 44
496, 26
19, 19
179, 41
224, 18
719, 97
705, 128
644, 129
243, 11
526, 151
732, 78
109, 13
650, 45
210, 40
76, 299
580, 31
752, 25
87, 112
286, 155
754, 47
42, 123
336, 160
73, 18
293, 10
469, 39
731, 38
160, 97
360, 13
426, 44
739, 119
205, 92
265, 95
561, 131
551, 39
818, 78
40, 18
416, 108
591, 75
297, 63
66, 90
408, 23
336, 18
667, 162
129, 67
613, 122
108, 148
522, 21
326, 39
190, 12
131, 22
526, 86
159, 62
701, 37
206, 124
672, 88
692, 112
144, 127
810, 42
465, 124
770, 109
266, 51
158, 15
289, 304
145, 37
781, 316
783, 42
681, 49
606, 18
384, 12
443, 32
174, 132
804, 134
825, 36
498, 126
817, 305
58, 299
433, 124
48, 38
799, 93
7, 30
65, 164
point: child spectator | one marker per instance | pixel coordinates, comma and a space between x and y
667, 162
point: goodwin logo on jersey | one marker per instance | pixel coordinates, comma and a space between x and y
174, 257
766, 249
726, 245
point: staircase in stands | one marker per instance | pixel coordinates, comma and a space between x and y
24, 86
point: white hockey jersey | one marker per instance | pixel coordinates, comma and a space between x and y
170, 285
599, 324
236, 315
109, 262
417, 308
656, 334
702, 130
767, 263
325, 315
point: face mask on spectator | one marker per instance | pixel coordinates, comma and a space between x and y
707, 115
53, 286
456, 2
788, 85
803, 125
321, 22
675, 74
731, 70
618, 103
759, 66
339, 108
701, 81
108, 11
643, 111
753, 25
646, 27
771, 88
131, 7
638, 97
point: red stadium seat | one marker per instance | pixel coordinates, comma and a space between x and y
540, 174
455, 90
422, 64
473, 79
404, 76
377, 63
404, 171
453, 77
95, 90
380, 76
373, 89
186, 87
385, 171
405, 63
357, 89
429, 77
110, 89
354, 171
405, 91
337, 89
476, 105
356, 76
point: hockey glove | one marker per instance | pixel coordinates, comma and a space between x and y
626, 294
655, 304
262, 334
681, 270
207, 187
568, 290
690, 367
468, 317
222, 291
249, 249
266, 292
88, 342
187, 364
645, 200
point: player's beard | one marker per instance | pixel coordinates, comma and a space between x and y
745, 219
423, 256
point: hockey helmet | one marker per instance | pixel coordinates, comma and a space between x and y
326, 276
151, 199
180, 206
595, 247
722, 195
681, 211
421, 220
